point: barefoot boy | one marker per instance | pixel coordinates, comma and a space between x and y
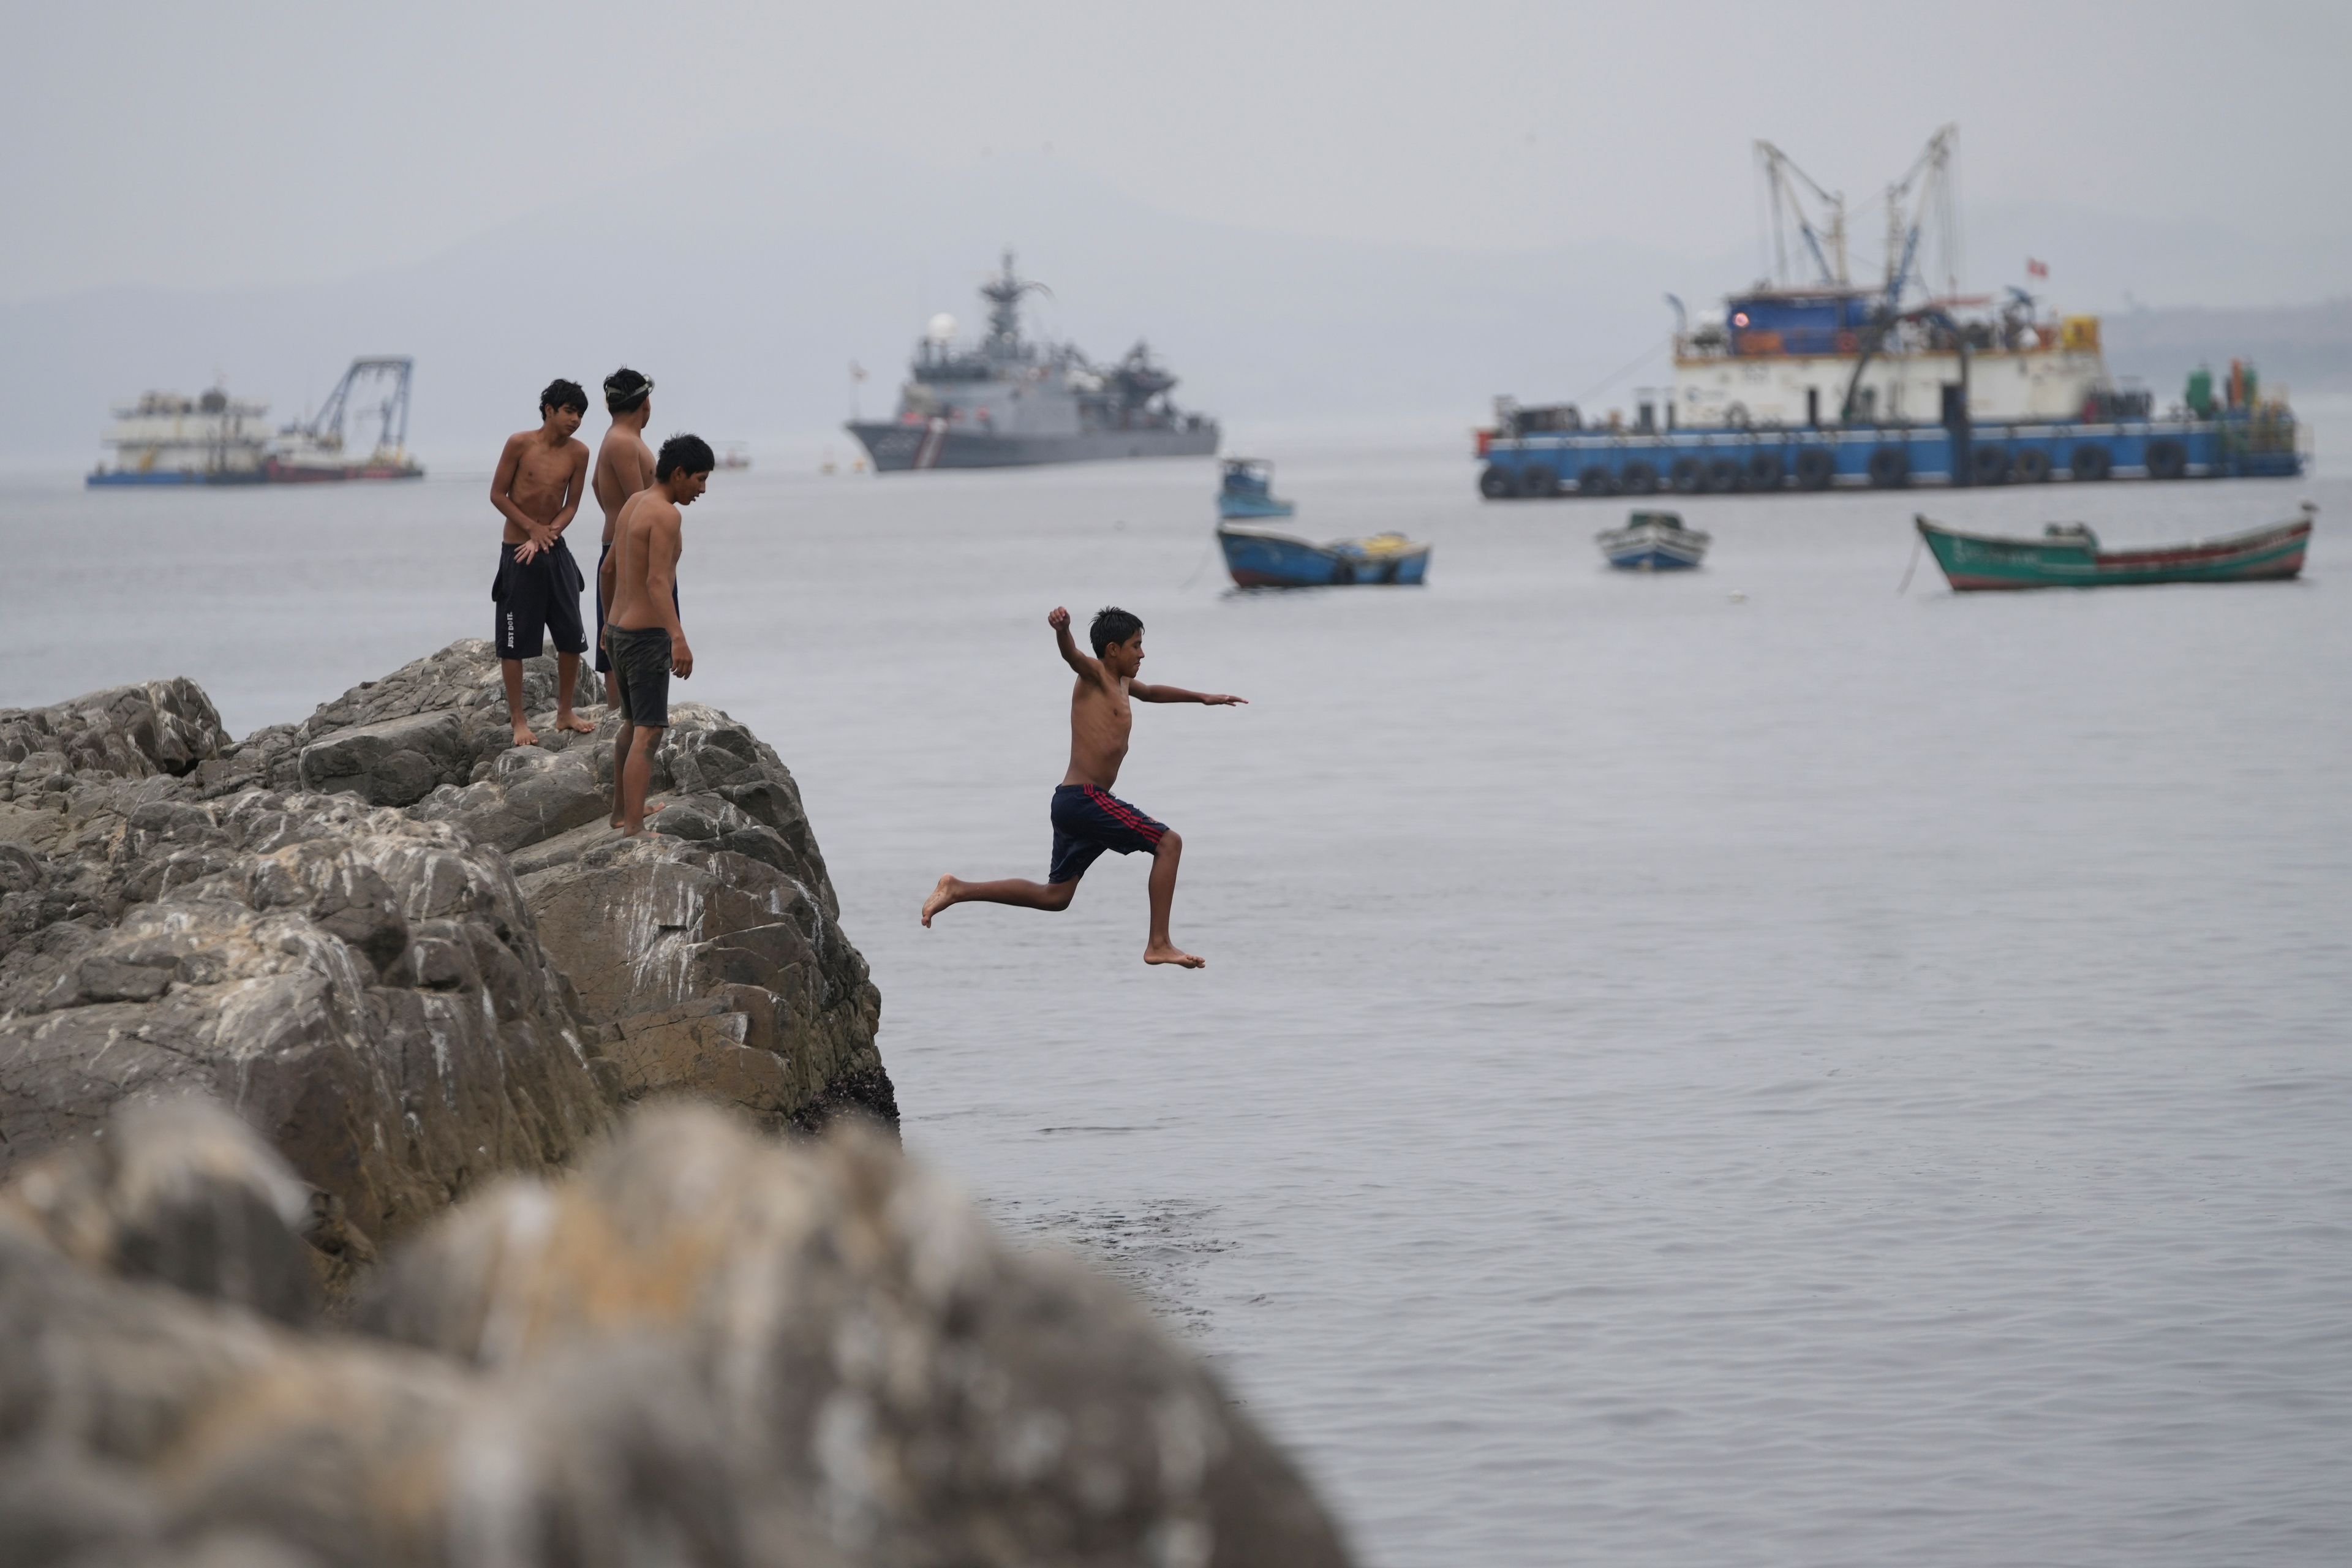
624, 465
647, 643
1089, 818
541, 476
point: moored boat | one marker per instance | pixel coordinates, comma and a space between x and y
1261, 558
1012, 399
1248, 491
2068, 555
167, 440
1819, 378
1653, 542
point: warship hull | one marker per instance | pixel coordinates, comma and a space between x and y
898, 447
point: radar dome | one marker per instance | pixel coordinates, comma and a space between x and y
942, 329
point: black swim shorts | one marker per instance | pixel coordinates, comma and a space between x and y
1088, 821
640, 678
538, 596
604, 659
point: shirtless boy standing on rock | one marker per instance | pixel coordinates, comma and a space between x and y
647, 644
1089, 818
624, 465
541, 478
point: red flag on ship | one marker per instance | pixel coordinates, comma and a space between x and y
2036, 269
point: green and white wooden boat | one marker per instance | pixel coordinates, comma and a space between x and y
2068, 555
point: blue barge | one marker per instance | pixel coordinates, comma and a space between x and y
1731, 461
1811, 381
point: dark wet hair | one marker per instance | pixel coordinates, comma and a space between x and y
691, 453
1112, 625
625, 391
562, 393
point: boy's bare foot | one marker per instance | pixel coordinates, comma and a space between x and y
574, 722
941, 897
1167, 953
522, 736
651, 806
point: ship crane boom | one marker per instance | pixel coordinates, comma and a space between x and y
1786, 186
393, 373
1931, 175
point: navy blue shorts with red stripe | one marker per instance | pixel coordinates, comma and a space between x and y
1088, 821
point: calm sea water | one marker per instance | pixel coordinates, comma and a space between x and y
1818, 1076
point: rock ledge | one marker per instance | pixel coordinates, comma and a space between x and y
411, 955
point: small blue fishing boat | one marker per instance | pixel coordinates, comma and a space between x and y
1260, 558
1653, 542
1248, 491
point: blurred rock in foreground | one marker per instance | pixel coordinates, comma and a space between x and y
703, 1347
412, 955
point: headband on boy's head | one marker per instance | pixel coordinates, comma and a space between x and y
643, 389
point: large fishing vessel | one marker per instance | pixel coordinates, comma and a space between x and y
1810, 380
1011, 400
166, 439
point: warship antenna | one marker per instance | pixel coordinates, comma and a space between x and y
1003, 294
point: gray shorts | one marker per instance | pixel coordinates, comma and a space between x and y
640, 678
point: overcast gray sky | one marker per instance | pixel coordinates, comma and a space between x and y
265, 144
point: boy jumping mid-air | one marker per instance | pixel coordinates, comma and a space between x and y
1089, 818
540, 478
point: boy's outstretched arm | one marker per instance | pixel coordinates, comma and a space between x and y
1143, 693
1087, 664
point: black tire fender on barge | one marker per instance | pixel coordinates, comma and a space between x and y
1765, 471
1596, 481
1890, 467
1498, 483
1816, 466
2090, 463
1639, 478
1539, 480
2167, 459
1724, 474
1988, 465
1687, 475
2032, 466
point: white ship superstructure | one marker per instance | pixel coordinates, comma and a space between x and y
166, 439
1726, 374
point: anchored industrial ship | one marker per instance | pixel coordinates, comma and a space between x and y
166, 439
1811, 381
1011, 400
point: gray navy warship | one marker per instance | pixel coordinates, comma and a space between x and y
1013, 401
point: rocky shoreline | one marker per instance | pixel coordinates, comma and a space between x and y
412, 955
332, 1232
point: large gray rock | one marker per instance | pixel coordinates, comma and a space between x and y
395, 761
703, 1349
366, 988
322, 923
128, 731
358, 743
714, 968
183, 1193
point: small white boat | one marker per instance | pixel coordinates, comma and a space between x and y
1653, 542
